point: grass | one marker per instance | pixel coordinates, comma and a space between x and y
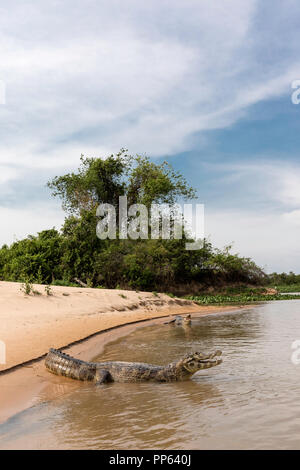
26, 287
239, 298
288, 288
245, 295
48, 290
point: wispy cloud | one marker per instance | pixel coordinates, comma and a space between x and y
271, 239
277, 181
267, 226
18, 223
147, 78
96, 76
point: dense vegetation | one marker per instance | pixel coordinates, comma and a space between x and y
284, 282
242, 294
59, 257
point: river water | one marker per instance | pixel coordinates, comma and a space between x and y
251, 401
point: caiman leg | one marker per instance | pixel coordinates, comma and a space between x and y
102, 376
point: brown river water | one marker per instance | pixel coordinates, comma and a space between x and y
251, 401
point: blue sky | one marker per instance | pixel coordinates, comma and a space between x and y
205, 85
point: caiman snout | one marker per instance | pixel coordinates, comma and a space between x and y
198, 360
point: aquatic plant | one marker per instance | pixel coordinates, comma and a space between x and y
240, 298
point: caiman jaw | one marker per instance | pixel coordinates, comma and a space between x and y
210, 360
210, 363
200, 361
203, 356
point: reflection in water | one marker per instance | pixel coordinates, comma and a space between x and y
125, 417
250, 401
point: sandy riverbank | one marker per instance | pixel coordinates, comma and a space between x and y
30, 325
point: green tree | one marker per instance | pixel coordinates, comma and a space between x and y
150, 182
105, 180
161, 265
96, 181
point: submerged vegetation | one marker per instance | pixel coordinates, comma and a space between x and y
62, 257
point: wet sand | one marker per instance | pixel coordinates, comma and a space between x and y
30, 325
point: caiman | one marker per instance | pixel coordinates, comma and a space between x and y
60, 363
180, 321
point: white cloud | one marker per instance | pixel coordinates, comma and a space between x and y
18, 223
272, 240
93, 77
270, 181
267, 228
292, 219
139, 76
290, 186
7, 174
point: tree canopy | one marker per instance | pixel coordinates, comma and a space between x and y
105, 180
60, 256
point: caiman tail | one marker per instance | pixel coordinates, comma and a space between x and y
60, 363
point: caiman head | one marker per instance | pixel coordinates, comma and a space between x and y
197, 361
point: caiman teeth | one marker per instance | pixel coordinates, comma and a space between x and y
218, 352
213, 361
204, 357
